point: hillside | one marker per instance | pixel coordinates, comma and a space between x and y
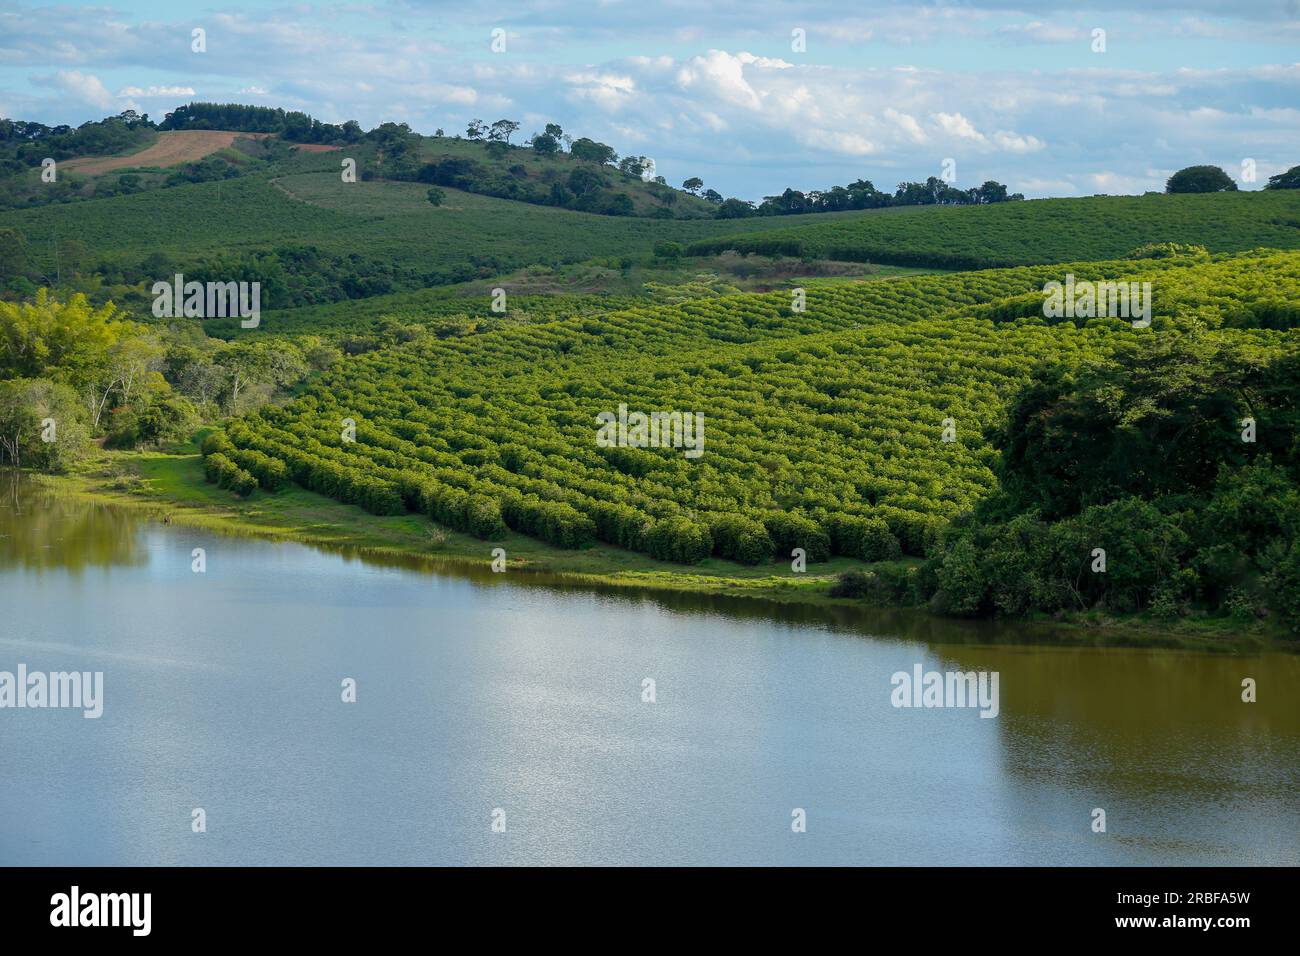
825, 425
1035, 231
520, 173
301, 230
169, 149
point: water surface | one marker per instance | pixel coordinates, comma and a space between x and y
478, 692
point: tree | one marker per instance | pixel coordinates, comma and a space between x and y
554, 131
989, 192
735, 209
1287, 180
583, 181
544, 144
619, 205
713, 196
436, 196
1200, 179
589, 151
693, 185
502, 130
56, 339
41, 424
1157, 420
246, 364
633, 165
476, 130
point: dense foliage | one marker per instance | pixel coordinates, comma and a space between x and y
824, 428
92, 373
862, 194
1178, 461
294, 126
1200, 179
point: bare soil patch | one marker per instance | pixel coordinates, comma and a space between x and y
171, 149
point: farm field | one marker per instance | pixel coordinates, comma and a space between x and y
823, 428
470, 236
170, 149
1036, 231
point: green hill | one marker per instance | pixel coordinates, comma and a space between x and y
312, 238
833, 415
1035, 231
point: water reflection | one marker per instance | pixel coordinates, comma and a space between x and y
222, 691
43, 532
40, 529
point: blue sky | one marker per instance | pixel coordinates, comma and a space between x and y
1013, 91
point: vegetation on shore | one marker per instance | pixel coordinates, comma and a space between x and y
168, 486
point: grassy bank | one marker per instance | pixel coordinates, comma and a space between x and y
170, 486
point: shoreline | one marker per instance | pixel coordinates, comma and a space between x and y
170, 486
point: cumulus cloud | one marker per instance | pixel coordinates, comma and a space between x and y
83, 87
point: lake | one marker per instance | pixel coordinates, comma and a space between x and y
503, 719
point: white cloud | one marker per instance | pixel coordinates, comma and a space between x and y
959, 127
84, 87
609, 91
1016, 143
167, 91
719, 74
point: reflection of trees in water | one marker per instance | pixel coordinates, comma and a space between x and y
1144, 724
43, 530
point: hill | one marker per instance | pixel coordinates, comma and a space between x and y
1034, 231
312, 238
823, 429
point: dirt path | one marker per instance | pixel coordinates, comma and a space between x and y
171, 149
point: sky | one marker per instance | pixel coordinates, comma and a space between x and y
1051, 98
